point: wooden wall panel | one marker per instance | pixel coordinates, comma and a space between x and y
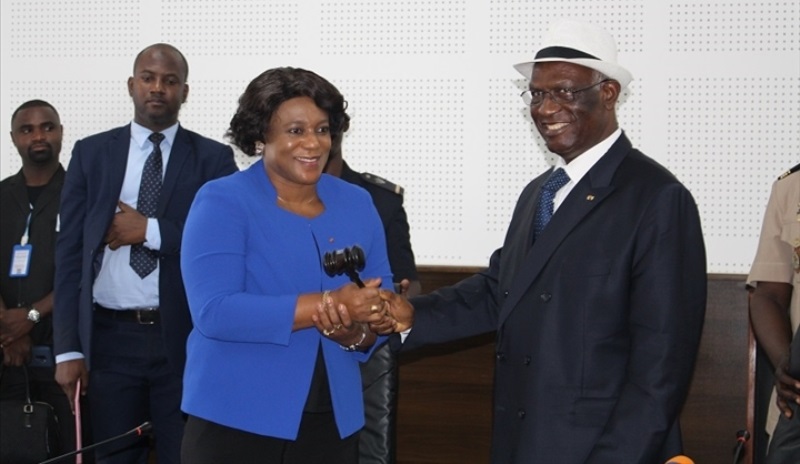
444, 412
717, 404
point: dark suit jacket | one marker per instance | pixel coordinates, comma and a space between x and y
389, 204
88, 202
598, 322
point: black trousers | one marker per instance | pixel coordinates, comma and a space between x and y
131, 381
784, 448
318, 442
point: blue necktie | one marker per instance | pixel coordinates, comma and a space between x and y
544, 209
144, 260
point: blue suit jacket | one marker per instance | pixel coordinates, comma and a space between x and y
245, 262
88, 203
598, 322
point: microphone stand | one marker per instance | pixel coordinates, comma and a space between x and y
146, 427
741, 438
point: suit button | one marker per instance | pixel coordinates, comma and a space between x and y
521, 413
500, 357
505, 294
545, 297
527, 360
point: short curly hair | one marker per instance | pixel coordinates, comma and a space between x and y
269, 90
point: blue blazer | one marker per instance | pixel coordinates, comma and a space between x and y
245, 261
88, 202
598, 322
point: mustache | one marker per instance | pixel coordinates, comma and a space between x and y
40, 148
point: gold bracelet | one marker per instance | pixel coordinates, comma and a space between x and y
357, 344
326, 297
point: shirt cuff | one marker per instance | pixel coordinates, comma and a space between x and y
152, 236
404, 335
68, 356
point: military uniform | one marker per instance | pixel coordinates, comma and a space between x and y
388, 199
778, 260
379, 374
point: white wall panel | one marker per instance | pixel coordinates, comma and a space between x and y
434, 100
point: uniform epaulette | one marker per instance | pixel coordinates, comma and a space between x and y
383, 183
789, 172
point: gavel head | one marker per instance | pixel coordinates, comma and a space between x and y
345, 261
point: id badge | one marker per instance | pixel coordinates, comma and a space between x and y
21, 260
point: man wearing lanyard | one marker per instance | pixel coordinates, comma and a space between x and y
29, 201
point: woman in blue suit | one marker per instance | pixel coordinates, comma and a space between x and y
272, 373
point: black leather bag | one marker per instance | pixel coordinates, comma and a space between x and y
28, 430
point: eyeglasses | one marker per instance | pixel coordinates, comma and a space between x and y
560, 96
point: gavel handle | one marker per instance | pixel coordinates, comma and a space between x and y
354, 278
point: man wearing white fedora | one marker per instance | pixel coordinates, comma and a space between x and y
598, 293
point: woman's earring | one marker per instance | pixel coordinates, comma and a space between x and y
259, 148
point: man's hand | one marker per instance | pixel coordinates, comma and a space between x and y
786, 387
408, 288
17, 353
386, 325
128, 227
67, 375
399, 309
14, 324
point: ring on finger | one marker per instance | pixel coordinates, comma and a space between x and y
374, 308
327, 332
337, 327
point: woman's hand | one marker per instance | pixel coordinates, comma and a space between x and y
334, 322
363, 304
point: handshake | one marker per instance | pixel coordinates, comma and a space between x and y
353, 316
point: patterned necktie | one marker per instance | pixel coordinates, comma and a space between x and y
144, 260
544, 210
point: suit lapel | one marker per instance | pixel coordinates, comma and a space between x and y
118, 148
520, 232
108, 172
590, 192
181, 150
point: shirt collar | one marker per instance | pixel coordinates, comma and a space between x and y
140, 135
583, 163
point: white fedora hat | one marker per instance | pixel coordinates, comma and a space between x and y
580, 43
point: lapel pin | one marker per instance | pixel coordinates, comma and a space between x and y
589, 197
